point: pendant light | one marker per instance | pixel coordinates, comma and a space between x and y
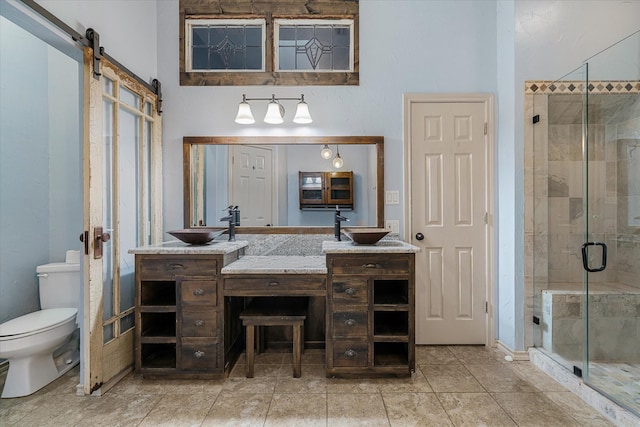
326, 152
337, 160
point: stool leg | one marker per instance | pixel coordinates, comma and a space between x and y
250, 343
297, 368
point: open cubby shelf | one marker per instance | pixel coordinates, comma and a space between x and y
391, 323
390, 354
157, 292
158, 356
158, 325
390, 292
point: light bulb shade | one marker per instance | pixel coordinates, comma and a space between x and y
337, 161
326, 152
302, 114
275, 113
244, 116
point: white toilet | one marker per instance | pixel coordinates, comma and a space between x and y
43, 345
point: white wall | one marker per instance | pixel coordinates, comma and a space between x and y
127, 29
430, 46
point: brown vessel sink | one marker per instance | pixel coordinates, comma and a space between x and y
196, 236
365, 236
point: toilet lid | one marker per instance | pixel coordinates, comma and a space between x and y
36, 321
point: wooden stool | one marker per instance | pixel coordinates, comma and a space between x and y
263, 312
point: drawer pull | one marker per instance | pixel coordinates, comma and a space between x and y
176, 266
199, 354
371, 266
198, 291
350, 322
350, 291
274, 283
350, 353
198, 323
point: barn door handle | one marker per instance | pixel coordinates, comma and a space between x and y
585, 261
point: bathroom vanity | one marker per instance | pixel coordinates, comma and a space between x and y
188, 299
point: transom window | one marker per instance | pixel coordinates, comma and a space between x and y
274, 42
312, 44
225, 44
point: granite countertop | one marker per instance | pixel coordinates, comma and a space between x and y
383, 246
291, 264
178, 247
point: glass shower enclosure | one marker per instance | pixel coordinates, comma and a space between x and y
585, 228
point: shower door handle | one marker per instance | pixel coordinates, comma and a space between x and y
585, 260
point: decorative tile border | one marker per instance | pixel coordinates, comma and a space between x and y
536, 87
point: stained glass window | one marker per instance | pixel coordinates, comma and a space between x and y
314, 45
225, 45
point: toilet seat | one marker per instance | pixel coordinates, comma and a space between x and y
36, 322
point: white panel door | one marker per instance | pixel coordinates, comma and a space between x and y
448, 205
251, 181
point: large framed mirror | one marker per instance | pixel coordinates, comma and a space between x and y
261, 175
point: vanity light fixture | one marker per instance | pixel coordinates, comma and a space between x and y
337, 160
275, 111
326, 152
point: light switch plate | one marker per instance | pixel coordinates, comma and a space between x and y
392, 197
393, 225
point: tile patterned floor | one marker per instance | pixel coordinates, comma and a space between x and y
454, 386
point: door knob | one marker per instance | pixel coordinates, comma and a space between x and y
419, 236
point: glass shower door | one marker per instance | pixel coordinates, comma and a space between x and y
611, 249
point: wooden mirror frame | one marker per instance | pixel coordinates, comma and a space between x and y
188, 141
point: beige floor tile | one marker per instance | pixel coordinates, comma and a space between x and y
500, 378
417, 384
415, 409
312, 380
266, 358
533, 409
584, 414
297, 410
536, 377
352, 385
49, 410
356, 409
136, 384
474, 409
178, 410
238, 410
118, 410
477, 354
259, 370
434, 355
450, 378
250, 385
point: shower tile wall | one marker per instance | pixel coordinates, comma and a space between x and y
554, 208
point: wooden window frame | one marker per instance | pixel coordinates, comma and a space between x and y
269, 11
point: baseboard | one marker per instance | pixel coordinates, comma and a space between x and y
518, 356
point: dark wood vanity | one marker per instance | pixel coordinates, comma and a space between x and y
187, 307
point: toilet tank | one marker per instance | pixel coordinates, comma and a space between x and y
60, 283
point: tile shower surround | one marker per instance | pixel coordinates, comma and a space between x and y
553, 185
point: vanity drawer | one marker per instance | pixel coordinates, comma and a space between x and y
349, 291
370, 265
199, 323
162, 268
198, 354
350, 324
199, 292
349, 353
289, 286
